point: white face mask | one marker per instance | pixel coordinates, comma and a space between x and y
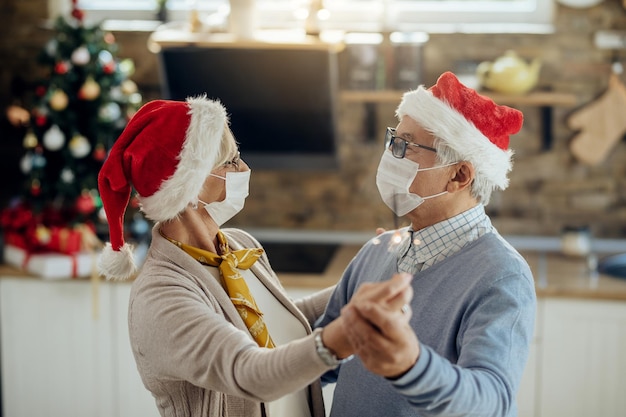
237, 188
393, 179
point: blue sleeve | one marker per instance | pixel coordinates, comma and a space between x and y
493, 348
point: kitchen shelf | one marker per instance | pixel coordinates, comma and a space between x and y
536, 98
545, 101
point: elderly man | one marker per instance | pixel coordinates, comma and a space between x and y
474, 301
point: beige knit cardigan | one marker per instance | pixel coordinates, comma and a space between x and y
192, 349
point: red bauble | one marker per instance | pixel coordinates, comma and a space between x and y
134, 202
35, 188
41, 90
85, 203
61, 67
41, 120
99, 154
109, 68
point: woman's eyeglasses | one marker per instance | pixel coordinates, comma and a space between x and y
234, 162
398, 145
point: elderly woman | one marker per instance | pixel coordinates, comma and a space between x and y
201, 342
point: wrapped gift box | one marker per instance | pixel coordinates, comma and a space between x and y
51, 265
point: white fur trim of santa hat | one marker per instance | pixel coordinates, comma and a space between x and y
453, 116
165, 153
197, 159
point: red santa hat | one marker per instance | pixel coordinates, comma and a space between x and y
165, 153
471, 124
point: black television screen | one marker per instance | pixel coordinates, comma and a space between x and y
281, 101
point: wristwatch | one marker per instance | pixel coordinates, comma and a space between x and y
327, 356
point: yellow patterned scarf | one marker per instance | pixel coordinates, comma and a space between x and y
228, 264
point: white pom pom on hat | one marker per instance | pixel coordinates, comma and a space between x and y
165, 153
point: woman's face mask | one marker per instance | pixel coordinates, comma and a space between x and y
237, 189
393, 179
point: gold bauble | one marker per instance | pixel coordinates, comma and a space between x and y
58, 100
90, 90
30, 140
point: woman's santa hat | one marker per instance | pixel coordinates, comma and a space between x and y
471, 124
165, 153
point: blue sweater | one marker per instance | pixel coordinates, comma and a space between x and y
473, 314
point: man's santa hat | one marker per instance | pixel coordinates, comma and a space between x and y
471, 124
165, 153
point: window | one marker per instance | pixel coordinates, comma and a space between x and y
358, 15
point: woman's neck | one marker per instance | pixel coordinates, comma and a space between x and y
192, 228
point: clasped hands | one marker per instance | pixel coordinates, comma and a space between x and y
375, 326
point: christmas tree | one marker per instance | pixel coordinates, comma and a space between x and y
78, 111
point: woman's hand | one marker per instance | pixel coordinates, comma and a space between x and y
376, 325
389, 296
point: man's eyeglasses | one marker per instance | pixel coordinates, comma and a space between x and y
234, 162
398, 145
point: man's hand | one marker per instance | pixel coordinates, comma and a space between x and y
390, 295
379, 333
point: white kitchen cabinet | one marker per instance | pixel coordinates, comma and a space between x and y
582, 361
61, 359
135, 399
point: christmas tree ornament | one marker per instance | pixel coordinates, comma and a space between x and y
26, 163
58, 100
43, 235
116, 94
139, 226
135, 100
53, 139
110, 112
41, 120
102, 216
105, 57
81, 55
96, 198
90, 90
67, 176
79, 146
35, 188
129, 87
109, 68
109, 38
51, 47
85, 203
127, 67
99, 153
17, 115
38, 159
30, 140
62, 67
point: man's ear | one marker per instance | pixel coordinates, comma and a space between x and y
463, 176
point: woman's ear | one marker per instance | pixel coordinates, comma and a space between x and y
463, 177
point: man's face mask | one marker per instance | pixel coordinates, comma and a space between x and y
393, 179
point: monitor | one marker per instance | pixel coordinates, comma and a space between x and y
281, 101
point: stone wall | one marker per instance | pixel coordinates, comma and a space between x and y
549, 188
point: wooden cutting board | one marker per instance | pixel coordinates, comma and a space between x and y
600, 124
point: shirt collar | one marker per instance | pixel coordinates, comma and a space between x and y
440, 240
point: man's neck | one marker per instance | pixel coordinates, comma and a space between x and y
436, 213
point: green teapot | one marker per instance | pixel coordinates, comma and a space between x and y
509, 74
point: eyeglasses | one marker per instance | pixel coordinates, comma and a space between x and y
234, 162
398, 145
